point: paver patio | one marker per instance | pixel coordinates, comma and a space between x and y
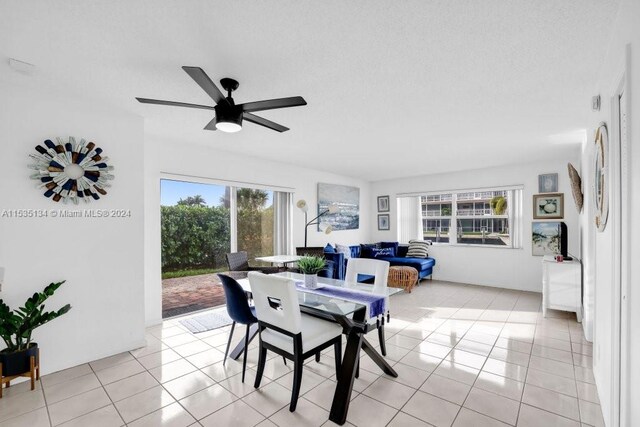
188, 294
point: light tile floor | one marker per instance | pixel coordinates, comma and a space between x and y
466, 356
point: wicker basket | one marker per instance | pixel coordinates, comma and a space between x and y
402, 277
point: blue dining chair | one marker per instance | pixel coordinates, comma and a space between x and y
239, 311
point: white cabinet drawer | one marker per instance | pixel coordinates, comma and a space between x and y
562, 286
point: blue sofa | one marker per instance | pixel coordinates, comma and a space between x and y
423, 265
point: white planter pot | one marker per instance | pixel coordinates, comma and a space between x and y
311, 281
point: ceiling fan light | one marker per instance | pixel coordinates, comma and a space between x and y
228, 121
228, 127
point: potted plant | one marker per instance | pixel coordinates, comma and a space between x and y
21, 357
310, 267
499, 205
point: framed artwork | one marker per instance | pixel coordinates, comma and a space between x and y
548, 206
600, 183
383, 203
383, 222
347, 198
545, 238
548, 183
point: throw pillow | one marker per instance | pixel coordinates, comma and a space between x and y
382, 252
343, 249
418, 249
393, 245
329, 249
365, 250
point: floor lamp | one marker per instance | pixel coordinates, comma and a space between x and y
326, 228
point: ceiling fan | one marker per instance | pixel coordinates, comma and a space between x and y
229, 116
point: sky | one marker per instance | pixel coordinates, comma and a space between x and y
172, 191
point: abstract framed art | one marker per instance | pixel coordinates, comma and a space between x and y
347, 199
383, 222
383, 203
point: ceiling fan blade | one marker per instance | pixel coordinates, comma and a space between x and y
264, 122
174, 104
206, 84
211, 125
271, 104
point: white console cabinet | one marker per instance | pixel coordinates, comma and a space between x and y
561, 286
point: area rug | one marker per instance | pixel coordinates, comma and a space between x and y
208, 321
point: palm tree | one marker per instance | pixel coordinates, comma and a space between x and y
196, 200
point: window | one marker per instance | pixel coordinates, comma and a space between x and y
487, 217
202, 222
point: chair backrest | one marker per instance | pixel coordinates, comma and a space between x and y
369, 266
237, 304
276, 301
238, 261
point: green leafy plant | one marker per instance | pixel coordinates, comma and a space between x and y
17, 326
499, 205
311, 264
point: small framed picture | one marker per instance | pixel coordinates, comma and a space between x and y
383, 222
383, 203
548, 206
548, 183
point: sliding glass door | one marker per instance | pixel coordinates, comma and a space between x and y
203, 222
255, 222
195, 227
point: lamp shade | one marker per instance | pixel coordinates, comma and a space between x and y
333, 208
228, 120
325, 228
302, 205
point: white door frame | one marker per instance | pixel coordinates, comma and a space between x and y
621, 222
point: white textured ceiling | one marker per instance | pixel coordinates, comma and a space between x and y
395, 88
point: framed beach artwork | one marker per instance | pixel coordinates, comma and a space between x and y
548, 206
548, 183
383, 203
347, 199
545, 238
383, 222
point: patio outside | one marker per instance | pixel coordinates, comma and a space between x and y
196, 236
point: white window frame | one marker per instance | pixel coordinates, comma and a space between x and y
514, 215
233, 199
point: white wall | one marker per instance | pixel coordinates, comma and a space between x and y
207, 162
490, 266
598, 247
101, 259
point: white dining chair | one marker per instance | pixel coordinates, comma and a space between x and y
286, 331
379, 269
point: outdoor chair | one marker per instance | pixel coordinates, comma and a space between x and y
239, 261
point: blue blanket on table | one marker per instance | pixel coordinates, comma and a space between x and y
377, 304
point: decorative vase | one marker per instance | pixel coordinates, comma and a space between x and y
18, 362
311, 281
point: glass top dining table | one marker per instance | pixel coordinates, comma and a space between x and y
321, 303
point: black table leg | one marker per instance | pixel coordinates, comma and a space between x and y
346, 376
377, 358
239, 349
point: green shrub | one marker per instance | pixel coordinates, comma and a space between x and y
194, 236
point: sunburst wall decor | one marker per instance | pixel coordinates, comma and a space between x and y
71, 171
